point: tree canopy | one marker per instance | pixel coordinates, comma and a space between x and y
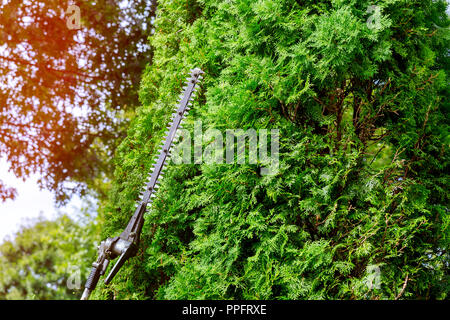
48, 259
69, 81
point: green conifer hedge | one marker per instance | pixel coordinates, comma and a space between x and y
359, 206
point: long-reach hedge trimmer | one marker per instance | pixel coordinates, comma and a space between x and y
126, 245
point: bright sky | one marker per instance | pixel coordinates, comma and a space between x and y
29, 203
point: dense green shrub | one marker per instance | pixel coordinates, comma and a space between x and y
359, 206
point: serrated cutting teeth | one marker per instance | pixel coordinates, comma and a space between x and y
172, 134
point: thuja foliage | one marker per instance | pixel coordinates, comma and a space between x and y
359, 206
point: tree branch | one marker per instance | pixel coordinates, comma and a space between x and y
403, 288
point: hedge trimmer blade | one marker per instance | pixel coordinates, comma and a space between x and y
179, 114
126, 245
